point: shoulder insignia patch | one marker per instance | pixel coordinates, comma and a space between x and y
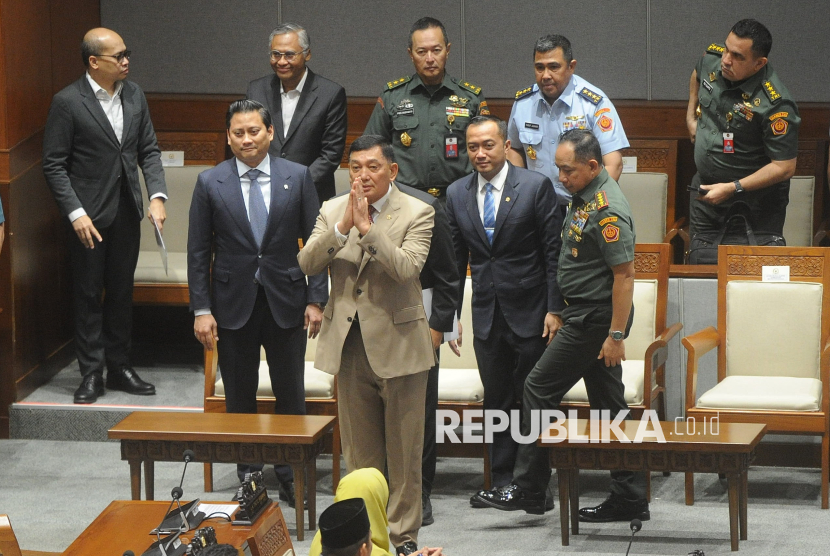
610, 233
773, 95
715, 49
780, 126
483, 109
605, 221
475, 89
779, 115
523, 93
590, 95
601, 111
602, 200
398, 82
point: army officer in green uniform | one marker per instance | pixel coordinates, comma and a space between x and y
425, 115
596, 278
744, 124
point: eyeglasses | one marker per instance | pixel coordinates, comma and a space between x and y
120, 56
289, 56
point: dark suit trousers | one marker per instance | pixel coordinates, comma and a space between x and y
239, 352
431, 406
570, 356
504, 361
103, 329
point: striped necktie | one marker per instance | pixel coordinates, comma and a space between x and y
489, 212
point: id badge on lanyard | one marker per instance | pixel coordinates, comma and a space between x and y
729, 143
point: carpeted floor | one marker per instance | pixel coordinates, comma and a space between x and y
52, 490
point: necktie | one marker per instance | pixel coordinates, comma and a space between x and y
257, 213
372, 212
489, 212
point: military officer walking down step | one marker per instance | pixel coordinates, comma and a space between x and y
558, 102
425, 116
744, 124
596, 278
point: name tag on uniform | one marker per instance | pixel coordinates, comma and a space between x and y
531, 125
728, 143
707, 85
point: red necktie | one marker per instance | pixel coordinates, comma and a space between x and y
372, 212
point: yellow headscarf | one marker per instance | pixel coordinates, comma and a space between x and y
370, 485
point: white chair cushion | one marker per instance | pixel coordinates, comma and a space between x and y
646, 193
150, 269
318, 385
632, 379
798, 223
773, 329
776, 393
468, 356
460, 385
645, 311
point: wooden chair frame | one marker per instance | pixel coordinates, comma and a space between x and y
807, 264
8, 541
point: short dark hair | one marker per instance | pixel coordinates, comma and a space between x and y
428, 23
368, 142
350, 550
244, 106
501, 124
552, 42
585, 144
755, 30
219, 550
89, 48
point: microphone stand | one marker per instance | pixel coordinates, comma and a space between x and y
635, 525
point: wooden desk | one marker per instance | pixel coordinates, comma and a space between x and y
295, 440
728, 449
126, 525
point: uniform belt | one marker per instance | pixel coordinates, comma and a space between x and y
572, 301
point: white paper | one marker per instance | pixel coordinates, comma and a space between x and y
448, 336
775, 273
160, 243
629, 164
172, 158
218, 508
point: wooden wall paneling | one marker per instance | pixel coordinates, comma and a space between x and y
70, 21
7, 390
198, 147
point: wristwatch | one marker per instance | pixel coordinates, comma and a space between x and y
738, 187
616, 335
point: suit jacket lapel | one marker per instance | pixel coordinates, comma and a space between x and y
91, 103
230, 189
127, 109
384, 220
509, 194
307, 98
279, 197
472, 208
276, 111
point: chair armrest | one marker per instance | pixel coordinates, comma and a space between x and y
657, 351
697, 345
211, 364
821, 234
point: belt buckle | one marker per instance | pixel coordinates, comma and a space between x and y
434, 191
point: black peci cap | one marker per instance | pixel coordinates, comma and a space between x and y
344, 523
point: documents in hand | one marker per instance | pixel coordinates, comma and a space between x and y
160, 243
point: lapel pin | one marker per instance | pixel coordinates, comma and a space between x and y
389, 217
507, 200
285, 186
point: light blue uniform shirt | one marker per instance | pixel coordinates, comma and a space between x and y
536, 124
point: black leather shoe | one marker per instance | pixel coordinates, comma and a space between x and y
510, 498
287, 494
426, 510
477, 502
407, 548
616, 508
91, 387
126, 379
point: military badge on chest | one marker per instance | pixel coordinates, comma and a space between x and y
405, 108
578, 221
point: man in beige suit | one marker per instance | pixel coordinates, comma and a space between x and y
375, 333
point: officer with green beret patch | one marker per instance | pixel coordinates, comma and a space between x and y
744, 124
425, 115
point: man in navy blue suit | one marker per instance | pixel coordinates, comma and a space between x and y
245, 217
506, 222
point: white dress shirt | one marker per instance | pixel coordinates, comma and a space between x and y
290, 100
111, 105
264, 181
498, 185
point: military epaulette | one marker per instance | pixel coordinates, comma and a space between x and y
602, 200
398, 82
715, 49
523, 93
774, 96
475, 89
590, 95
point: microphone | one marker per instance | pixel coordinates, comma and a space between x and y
162, 546
129, 553
635, 525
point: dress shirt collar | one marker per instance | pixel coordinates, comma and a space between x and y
567, 96
100, 92
300, 85
382, 201
497, 181
264, 166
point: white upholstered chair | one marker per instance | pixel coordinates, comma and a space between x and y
647, 194
773, 351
